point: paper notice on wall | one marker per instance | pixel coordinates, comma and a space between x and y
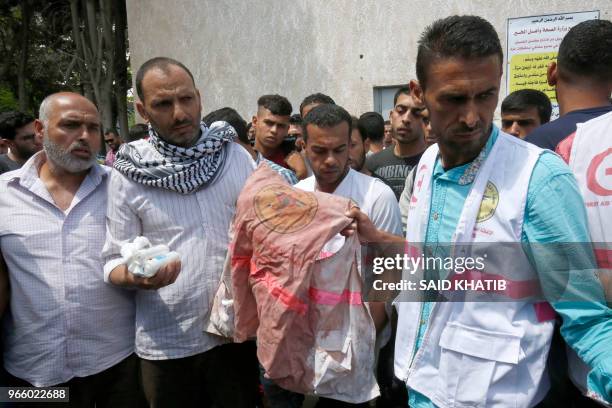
533, 43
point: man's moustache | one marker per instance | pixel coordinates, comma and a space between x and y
75, 146
467, 130
179, 124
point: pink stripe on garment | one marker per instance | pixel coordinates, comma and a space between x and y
544, 312
514, 289
324, 297
240, 261
287, 298
604, 258
412, 251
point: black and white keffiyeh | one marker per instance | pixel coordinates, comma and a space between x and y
157, 163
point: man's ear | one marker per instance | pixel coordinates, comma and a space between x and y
199, 100
416, 91
551, 74
9, 143
254, 120
141, 110
39, 129
366, 145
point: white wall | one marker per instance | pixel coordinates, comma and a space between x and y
239, 50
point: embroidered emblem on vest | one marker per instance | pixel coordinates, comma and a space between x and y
596, 169
283, 209
490, 199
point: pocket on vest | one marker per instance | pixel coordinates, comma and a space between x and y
473, 361
333, 356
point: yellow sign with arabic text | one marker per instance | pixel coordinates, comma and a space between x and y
528, 71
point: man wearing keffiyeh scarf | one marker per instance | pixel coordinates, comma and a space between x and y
185, 192
181, 154
157, 163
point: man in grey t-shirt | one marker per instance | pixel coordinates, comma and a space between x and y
393, 164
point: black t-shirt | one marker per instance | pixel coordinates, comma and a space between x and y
6, 164
549, 135
391, 169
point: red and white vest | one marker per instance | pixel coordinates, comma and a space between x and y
591, 161
590, 158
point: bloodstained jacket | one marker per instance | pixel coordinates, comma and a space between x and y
314, 333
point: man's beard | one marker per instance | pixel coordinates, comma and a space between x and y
62, 157
25, 154
194, 139
357, 166
408, 138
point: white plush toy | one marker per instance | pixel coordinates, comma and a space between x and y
145, 260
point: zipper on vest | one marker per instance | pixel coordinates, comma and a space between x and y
414, 343
425, 335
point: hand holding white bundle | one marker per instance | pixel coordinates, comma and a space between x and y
145, 260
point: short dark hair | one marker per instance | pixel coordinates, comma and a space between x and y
232, 117
11, 121
586, 51
521, 100
404, 90
325, 116
276, 104
162, 63
295, 119
374, 126
138, 131
356, 125
316, 98
111, 130
465, 37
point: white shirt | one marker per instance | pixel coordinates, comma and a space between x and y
63, 321
170, 321
373, 197
378, 202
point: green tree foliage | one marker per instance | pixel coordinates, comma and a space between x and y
48, 46
7, 100
48, 52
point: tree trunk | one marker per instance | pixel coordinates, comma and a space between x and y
99, 29
106, 60
92, 51
121, 77
24, 40
92, 27
75, 14
105, 106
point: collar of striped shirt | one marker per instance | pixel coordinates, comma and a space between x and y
27, 175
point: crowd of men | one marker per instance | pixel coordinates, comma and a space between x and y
73, 315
